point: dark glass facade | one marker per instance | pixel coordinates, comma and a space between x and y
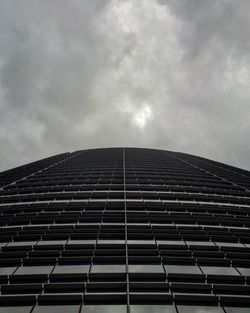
125, 230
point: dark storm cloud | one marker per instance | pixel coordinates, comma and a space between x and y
164, 74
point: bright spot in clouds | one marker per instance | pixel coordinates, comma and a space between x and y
142, 115
137, 115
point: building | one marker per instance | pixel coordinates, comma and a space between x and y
125, 230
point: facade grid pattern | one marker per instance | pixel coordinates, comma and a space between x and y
125, 230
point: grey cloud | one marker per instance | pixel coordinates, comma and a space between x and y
163, 74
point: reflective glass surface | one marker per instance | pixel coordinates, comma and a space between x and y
141, 242
214, 270
51, 242
200, 243
152, 309
34, 270
22, 243
111, 242
60, 269
199, 309
170, 242
81, 242
112, 268
145, 268
244, 271
183, 269
237, 310
56, 309
229, 244
104, 309
164, 204
14, 309
7, 270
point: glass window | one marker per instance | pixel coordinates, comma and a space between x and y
14, 309
219, 270
199, 309
170, 242
152, 309
7, 270
182, 269
244, 271
22, 243
111, 268
65, 269
145, 268
113, 242
52, 242
235, 310
200, 243
141, 242
229, 244
104, 309
81, 242
23, 270
56, 309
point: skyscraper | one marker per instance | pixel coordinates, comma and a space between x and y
125, 230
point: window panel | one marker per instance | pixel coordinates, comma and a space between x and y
199, 309
56, 309
14, 309
7, 270
214, 270
145, 268
104, 309
170, 242
61, 269
141, 242
152, 309
112, 268
51, 242
108, 242
200, 243
34, 270
237, 310
22, 243
244, 271
182, 269
81, 242
229, 244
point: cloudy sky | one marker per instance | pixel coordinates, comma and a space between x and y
168, 74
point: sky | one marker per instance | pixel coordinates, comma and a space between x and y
164, 74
